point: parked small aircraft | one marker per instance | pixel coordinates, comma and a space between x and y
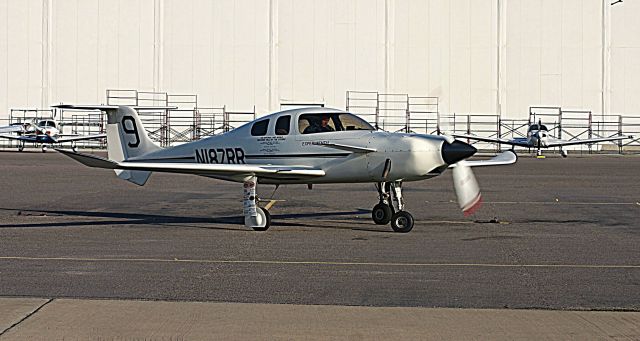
538, 137
45, 132
298, 146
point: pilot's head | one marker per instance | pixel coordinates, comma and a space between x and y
325, 120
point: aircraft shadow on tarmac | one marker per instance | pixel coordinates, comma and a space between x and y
154, 220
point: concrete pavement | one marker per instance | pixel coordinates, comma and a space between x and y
157, 320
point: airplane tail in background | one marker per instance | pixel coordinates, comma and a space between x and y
126, 139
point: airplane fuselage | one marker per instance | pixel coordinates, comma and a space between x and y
42, 134
538, 138
411, 156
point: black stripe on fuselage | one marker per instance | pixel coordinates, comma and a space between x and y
332, 155
166, 158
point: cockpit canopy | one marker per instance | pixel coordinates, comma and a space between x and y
308, 121
538, 127
47, 124
313, 123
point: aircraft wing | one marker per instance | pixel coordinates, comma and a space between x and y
80, 137
505, 158
513, 142
27, 138
195, 168
14, 128
560, 143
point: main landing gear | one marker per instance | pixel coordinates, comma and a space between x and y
255, 217
391, 207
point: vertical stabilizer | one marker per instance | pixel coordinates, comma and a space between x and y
127, 138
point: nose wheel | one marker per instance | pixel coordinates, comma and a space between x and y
390, 209
402, 222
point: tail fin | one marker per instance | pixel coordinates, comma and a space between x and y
126, 139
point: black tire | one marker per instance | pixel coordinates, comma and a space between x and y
381, 214
402, 222
267, 216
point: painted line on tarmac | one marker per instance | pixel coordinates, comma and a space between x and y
277, 262
547, 203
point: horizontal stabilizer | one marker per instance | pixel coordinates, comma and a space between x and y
89, 160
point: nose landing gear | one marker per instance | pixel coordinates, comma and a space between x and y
391, 207
383, 210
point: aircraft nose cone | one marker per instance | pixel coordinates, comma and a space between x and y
456, 151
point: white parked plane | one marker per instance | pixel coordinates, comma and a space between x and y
299, 146
538, 137
45, 132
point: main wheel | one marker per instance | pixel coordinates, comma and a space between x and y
381, 214
44, 148
264, 218
402, 222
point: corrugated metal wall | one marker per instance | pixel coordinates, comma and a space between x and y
490, 56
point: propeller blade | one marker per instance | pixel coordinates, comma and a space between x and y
467, 189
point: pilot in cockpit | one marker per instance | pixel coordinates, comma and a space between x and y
318, 126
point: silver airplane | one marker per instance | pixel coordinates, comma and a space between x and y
299, 146
45, 132
538, 137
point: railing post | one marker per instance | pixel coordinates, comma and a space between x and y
620, 133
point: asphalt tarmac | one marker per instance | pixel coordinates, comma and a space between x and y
552, 234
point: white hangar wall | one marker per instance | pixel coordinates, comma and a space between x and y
552, 55
622, 78
490, 56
